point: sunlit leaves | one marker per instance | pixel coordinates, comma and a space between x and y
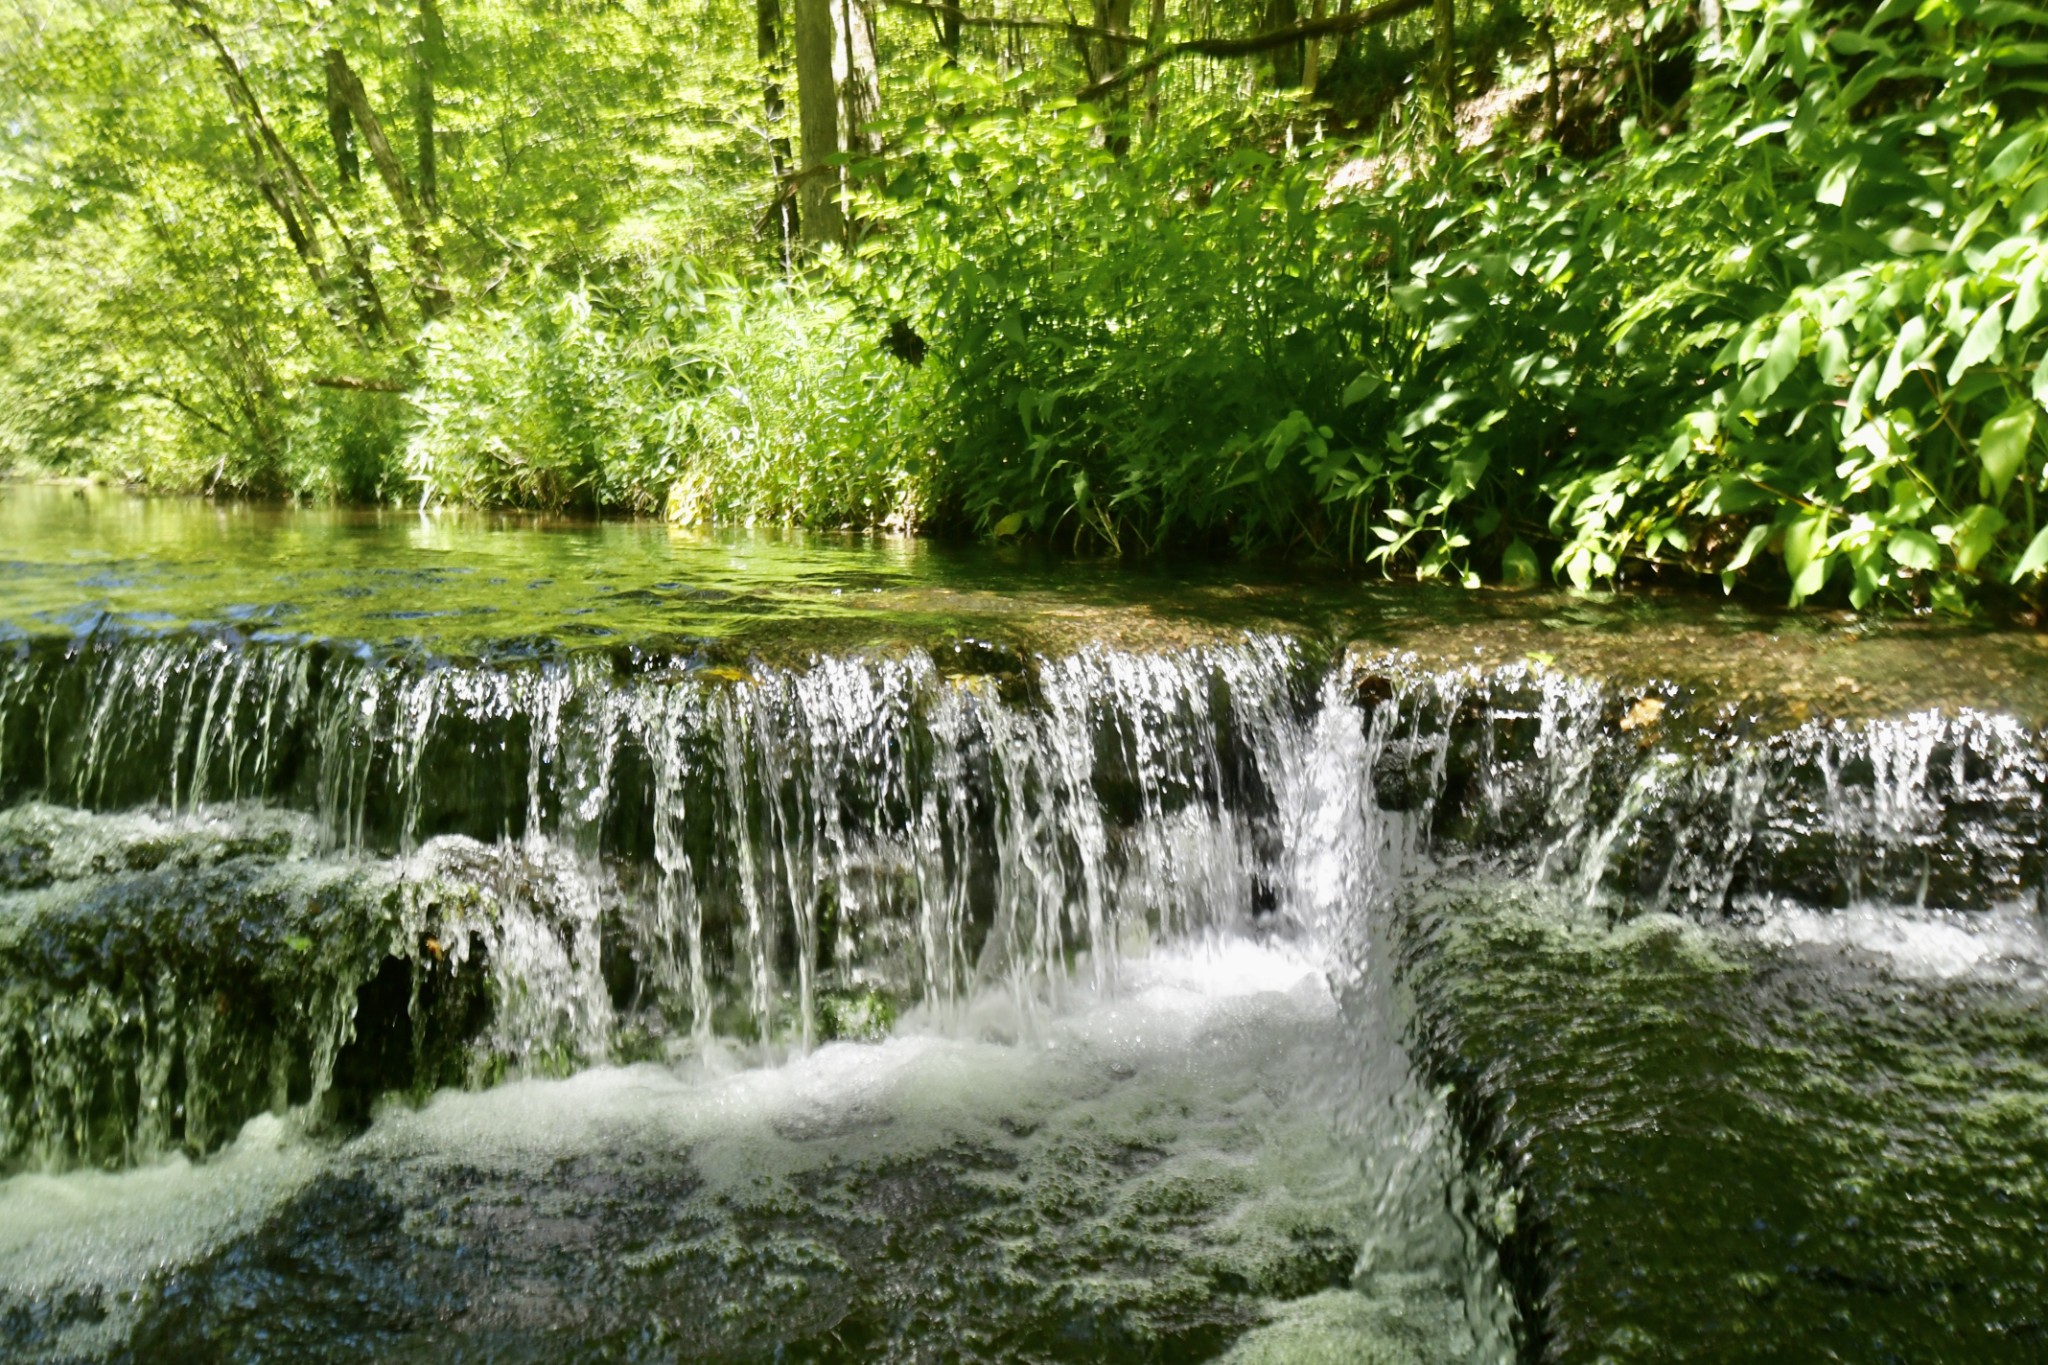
2002, 448
1915, 549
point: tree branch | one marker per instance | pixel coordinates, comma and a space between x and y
1067, 26
355, 384
292, 186
428, 288
1382, 13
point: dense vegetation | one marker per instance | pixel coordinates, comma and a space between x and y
1489, 290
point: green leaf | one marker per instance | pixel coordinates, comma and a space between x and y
1858, 406
1578, 568
1009, 526
1834, 186
2040, 385
1998, 13
2036, 557
1805, 548
1975, 534
1831, 354
1518, 568
1910, 501
1812, 578
1751, 543
1361, 389
2002, 446
1448, 331
1916, 550
1905, 352
1982, 342
2012, 158
1850, 42
2027, 306
1803, 541
1782, 357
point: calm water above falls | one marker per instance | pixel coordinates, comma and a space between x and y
442, 939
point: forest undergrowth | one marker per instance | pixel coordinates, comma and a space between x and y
1747, 291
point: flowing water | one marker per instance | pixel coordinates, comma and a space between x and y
453, 939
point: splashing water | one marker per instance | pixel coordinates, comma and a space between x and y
1083, 976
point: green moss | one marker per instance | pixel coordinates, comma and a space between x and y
1732, 1151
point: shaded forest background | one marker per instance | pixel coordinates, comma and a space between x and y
1490, 290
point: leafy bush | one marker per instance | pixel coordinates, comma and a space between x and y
1803, 328
759, 403
1767, 305
1125, 343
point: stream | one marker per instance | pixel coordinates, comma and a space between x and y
457, 938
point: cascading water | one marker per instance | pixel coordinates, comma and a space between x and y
1225, 999
701, 865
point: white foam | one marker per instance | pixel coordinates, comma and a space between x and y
939, 1074
1217, 1065
104, 1233
1927, 945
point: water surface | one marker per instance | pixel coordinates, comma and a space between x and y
482, 939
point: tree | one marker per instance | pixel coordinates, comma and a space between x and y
817, 103
428, 287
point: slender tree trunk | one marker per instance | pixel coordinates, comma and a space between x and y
339, 128
1447, 58
1287, 61
1155, 35
428, 287
1556, 95
1312, 57
817, 110
1113, 16
429, 54
860, 91
768, 50
288, 191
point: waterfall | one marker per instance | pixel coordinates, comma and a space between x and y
623, 854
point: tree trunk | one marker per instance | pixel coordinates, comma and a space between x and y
1447, 58
339, 128
289, 192
1556, 95
428, 287
860, 92
768, 50
817, 109
1312, 55
1155, 35
429, 53
1287, 61
1110, 57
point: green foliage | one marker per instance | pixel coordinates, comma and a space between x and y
1805, 326
1845, 316
1803, 329
711, 400
1135, 349
160, 324
1767, 307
